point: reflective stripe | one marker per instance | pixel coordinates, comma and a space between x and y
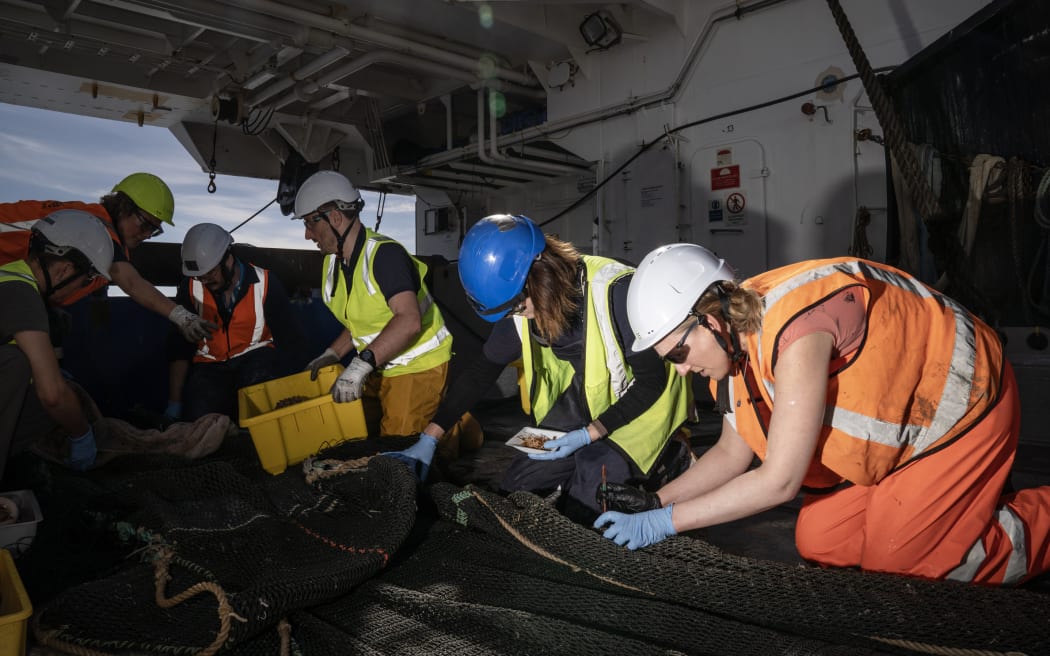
955, 396
258, 300
328, 288
407, 356
1016, 565
18, 226
614, 359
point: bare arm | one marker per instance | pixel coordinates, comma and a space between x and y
402, 328
342, 344
727, 459
139, 289
794, 429
55, 394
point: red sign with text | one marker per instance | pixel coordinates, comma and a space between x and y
725, 177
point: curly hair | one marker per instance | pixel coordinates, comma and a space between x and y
554, 287
745, 306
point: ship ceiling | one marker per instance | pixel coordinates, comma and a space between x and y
380, 84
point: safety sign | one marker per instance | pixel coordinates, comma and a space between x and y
735, 203
726, 177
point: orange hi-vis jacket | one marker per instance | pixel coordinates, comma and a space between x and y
17, 219
247, 329
926, 371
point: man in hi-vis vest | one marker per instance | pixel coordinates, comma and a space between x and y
256, 338
376, 290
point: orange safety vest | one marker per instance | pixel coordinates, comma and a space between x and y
927, 370
17, 219
247, 329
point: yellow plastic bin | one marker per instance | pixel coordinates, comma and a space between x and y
15, 608
287, 435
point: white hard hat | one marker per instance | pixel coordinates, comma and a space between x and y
203, 248
325, 187
76, 234
665, 287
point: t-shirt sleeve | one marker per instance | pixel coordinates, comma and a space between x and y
843, 316
395, 271
24, 310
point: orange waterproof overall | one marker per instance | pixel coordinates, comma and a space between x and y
923, 419
17, 219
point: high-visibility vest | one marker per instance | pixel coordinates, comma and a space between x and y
17, 219
17, 271
247, 329
927, 370
364, 311
606, 374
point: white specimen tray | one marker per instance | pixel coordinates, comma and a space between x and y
531, 430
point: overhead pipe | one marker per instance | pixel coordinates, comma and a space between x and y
669, 94
300, 74
309, 87
367, 35
201, 13
495, 154
500, 161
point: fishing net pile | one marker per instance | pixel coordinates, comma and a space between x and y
344, 565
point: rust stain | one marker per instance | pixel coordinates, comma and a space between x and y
120, 93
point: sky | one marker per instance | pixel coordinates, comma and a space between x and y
56, 156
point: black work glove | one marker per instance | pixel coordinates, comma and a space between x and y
625, 498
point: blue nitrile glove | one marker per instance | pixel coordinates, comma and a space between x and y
418, 456
637, 530
174, 410
564, 445
82, 451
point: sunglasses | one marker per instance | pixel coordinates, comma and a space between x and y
680, 351
319, 215
147, 224
515, 305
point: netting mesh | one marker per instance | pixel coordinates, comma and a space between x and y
347, 566
233, 556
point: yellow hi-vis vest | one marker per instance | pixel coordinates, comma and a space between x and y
17, 271
364, 311
606, 374
926, 372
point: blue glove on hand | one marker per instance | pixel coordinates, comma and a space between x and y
418, 456
564, 445
637, 530
82, 451
174, 410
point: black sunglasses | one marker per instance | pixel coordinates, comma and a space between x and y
154, 228
515, 305
680, 351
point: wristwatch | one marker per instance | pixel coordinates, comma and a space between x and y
368, 356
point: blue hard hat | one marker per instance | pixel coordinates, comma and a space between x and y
494, 262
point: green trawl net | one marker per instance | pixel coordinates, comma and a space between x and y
346, 565
233, 556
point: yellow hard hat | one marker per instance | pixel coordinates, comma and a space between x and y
150, 193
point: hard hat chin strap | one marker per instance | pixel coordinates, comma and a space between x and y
340, 239
736, 354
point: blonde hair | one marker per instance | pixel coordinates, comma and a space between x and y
745, 306
554, 287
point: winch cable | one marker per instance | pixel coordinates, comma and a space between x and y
943, 242
665, 133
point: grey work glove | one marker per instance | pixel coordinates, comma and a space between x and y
192, 327
625, 498
350, 383
328, 358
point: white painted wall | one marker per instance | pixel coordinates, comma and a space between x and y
816, 174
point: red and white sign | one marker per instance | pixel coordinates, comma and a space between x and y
735, 203
726, 177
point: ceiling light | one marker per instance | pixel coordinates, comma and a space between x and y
600, 31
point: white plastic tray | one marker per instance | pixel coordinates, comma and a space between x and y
531, 430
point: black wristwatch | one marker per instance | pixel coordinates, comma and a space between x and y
368, 356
